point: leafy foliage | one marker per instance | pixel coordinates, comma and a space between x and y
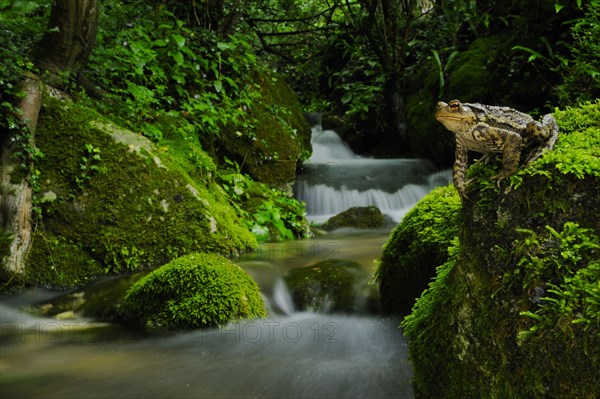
163, 63
565, 264
196, 290
269, 213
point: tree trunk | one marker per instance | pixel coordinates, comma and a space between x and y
394, 107
65, 48
15, 198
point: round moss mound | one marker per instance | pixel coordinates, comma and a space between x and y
196, 290
416, 247
328, 286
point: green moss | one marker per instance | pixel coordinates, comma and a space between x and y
280, 139
514, 310
142, 205
326, 286
417, 246
368, 217
471, 73
197, 290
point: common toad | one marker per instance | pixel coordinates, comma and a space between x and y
489, 129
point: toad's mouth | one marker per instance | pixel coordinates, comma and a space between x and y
450, 117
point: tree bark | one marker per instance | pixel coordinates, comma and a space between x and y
15, 198
65, 48
70, 40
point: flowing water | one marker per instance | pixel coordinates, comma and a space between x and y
335, 179
291, 354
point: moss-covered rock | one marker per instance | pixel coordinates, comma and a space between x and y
196, 290
416, 247
360, 217
280, 139
328, 286
515, 308
112, 201
99, 301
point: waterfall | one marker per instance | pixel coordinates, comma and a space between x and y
334, 179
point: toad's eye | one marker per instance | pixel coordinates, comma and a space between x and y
454, 105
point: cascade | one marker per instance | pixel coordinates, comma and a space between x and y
334, 179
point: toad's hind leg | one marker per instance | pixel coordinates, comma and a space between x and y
545, 133
511, 153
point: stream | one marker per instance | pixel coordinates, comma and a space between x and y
290, 354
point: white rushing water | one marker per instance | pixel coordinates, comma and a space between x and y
335, 179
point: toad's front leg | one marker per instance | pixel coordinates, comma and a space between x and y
459, 169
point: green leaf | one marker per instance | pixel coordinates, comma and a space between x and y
159, 43
223, 46
346, 97
180, 40
177, 56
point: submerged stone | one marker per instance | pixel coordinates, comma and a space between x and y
328, 286
367, 217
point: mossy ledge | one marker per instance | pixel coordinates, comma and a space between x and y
112, 201
514, 311
196, 290
415, 248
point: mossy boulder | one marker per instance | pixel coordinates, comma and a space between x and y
360, 217
416, 247
514, 309
111, 201
328, 286
280, 139
196, 290
101, 300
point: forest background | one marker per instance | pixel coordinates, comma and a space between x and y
378, 66
375, 67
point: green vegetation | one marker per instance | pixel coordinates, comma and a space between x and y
416, 247
514, 307
197, 290
269, 213
181, 140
